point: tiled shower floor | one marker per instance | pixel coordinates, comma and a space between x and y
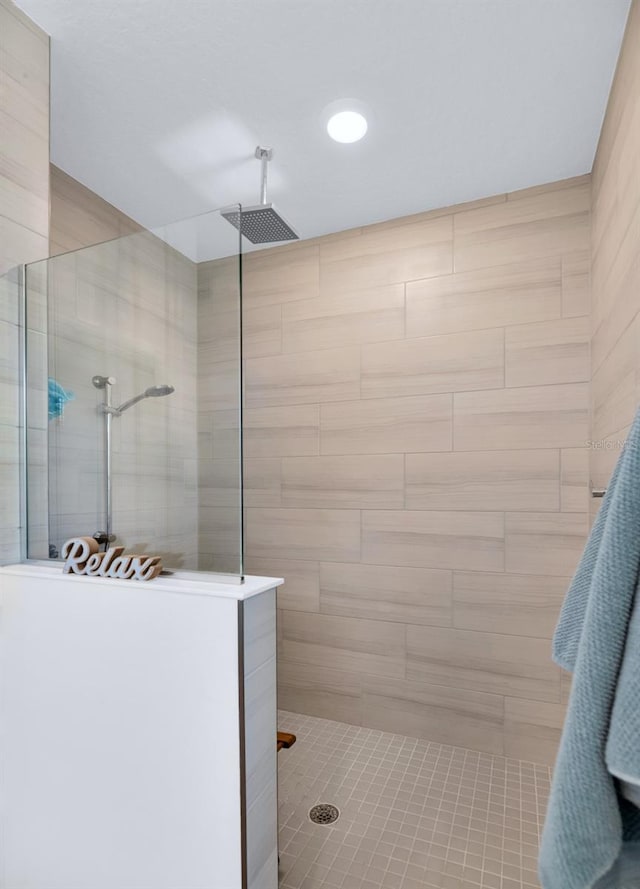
413, 814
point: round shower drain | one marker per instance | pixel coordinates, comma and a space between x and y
324, 814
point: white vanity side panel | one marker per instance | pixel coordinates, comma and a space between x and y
261, 768
119, 737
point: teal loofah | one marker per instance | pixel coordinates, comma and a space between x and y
58, 397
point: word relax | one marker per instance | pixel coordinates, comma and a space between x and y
82, 557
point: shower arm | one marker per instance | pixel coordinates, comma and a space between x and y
264, 155
117, 411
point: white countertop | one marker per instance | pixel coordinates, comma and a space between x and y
189, 583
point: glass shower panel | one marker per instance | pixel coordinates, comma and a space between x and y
124, 389
10, 291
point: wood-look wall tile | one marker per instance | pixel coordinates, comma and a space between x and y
352, 645
219, 539
10, 297
533, 417
547, 188
219, 338
218, 434
619, 312
327, 375
20, 204
281, 431
381, 592
270, 277
485, 298
219, 482
25, 99
262, 481
25, 165
574, 480
326, 692
547, 352
422, 539
416, 219
218, 382
435, 712
80, 218
218, 289
389, 236
576, 284
10, 482
449, 363
21, 35
551, 223
10, 377
544, 543
261, 331
603, 456
532, 729
344, 319
316, 534
514, 604
19, 244
387, 425
566, 680
301, 588
613, 385
388, 256
355, 482
489, 662
486, 480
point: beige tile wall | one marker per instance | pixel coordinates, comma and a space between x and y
177, 485
24, 148
80, 217
615, 263
125, 308
415, 438
218, 414
24, 224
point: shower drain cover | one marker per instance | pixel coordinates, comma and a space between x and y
323, 814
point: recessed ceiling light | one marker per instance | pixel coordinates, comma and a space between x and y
347, 126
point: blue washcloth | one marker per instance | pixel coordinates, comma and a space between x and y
591, 832
58, 397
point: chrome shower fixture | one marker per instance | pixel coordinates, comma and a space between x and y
151, 392
105, 383
261, 224
102, 382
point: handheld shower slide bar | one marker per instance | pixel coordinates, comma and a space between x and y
105, 383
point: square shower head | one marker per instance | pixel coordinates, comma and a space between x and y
261, 224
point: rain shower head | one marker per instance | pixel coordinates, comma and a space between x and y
261, 224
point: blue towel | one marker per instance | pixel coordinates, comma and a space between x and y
58, 397
623, 744
592, 832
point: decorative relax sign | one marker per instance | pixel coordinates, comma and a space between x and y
82, 557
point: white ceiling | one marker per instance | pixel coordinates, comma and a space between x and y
157, 105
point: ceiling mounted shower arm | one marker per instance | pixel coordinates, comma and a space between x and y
260, 224
264, 155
